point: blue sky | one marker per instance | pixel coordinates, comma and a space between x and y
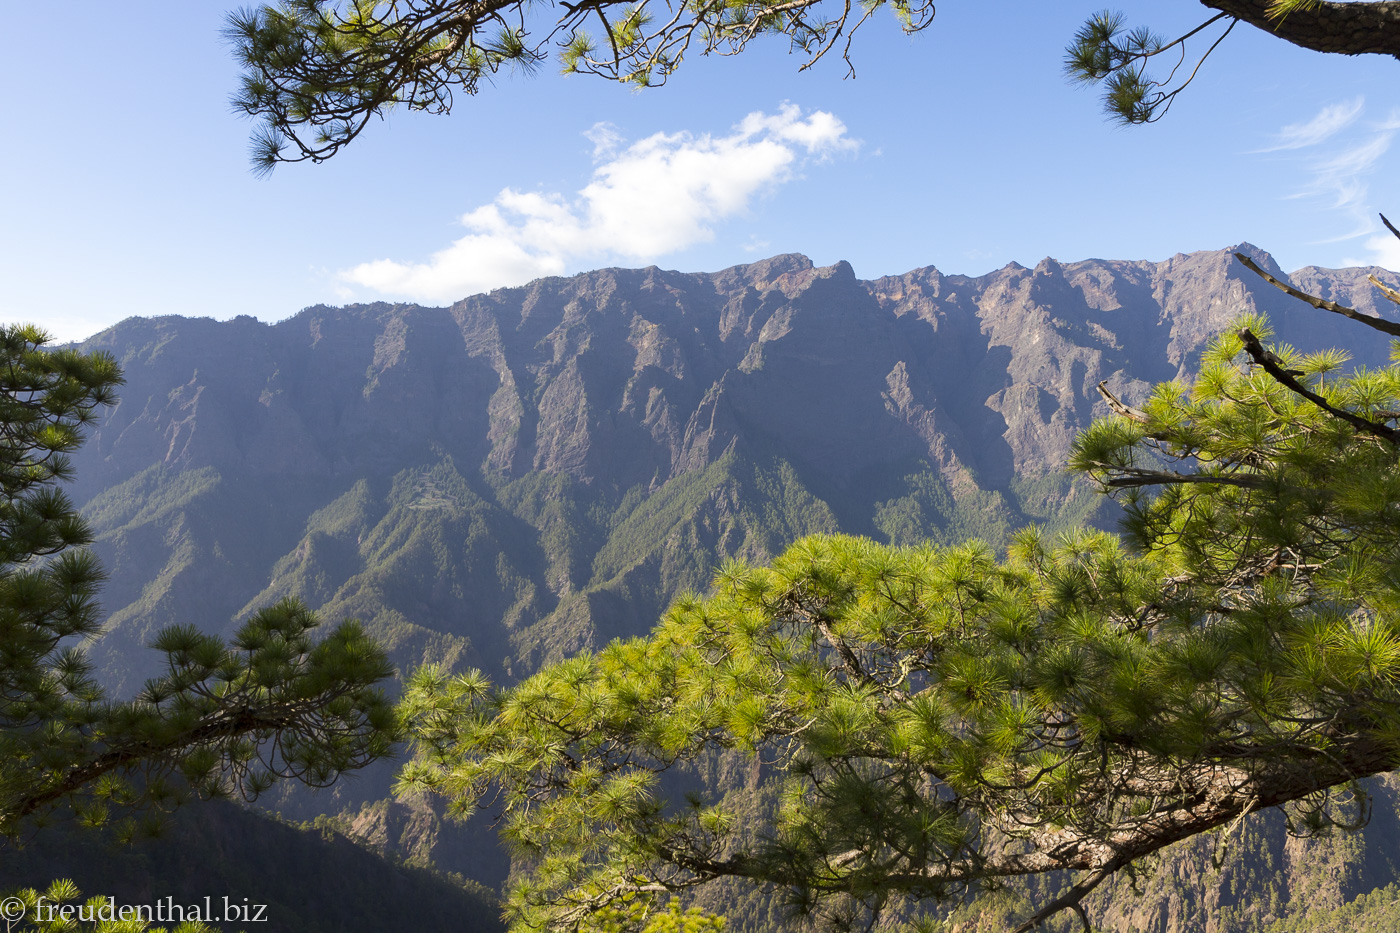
128, 190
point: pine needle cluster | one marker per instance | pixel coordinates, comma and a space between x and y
315, 72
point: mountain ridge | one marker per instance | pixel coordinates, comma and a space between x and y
618, 382
535, 471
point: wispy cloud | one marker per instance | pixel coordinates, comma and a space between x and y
1340, 180
645, 199
1330, 121
1339, 153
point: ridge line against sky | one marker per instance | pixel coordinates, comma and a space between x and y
962, 148
646, 200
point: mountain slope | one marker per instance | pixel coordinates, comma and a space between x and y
538, 470
461, 477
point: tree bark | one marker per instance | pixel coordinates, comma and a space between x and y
1345, 28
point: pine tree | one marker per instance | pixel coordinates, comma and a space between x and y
942, 721
1105, 51
317, 71
223, 718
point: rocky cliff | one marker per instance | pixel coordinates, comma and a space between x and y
541, 469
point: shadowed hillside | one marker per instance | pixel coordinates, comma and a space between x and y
311, 879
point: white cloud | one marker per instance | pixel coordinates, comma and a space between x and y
605, 139
646, 199
1329, 121
1383, 250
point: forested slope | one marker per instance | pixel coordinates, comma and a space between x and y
311, 879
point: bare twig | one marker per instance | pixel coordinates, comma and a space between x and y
1386, 290
1169, 97
1389, 226
1121, 408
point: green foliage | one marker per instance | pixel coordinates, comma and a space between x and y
637, 915
574, 749
222, 718
942, 720
1375, 912
316, 71
1279, 484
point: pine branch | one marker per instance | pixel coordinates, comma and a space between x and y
1071, 900
1285, 377
1119, 407
1380, 324
1136, 478
1346, 28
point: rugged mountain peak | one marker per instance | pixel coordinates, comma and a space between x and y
1262, 257
633, 382
609, 376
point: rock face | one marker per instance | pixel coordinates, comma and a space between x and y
540, 469
479, 481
